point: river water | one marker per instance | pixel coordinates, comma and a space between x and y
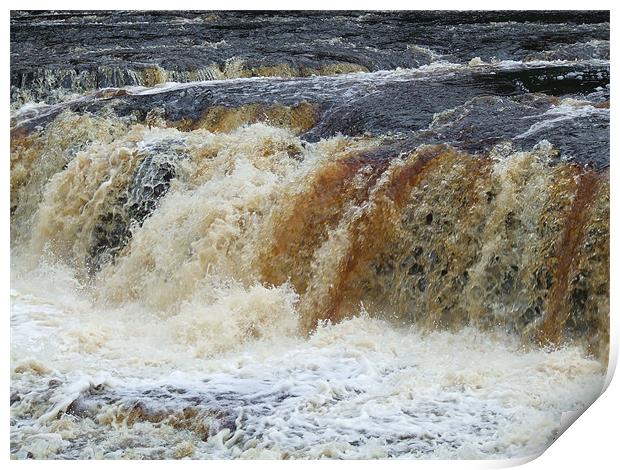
306, 234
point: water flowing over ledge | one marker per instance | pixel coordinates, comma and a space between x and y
409, 259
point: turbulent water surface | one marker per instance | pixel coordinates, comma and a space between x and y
306, 234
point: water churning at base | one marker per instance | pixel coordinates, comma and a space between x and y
306, 234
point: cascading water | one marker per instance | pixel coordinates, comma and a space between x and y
410, 260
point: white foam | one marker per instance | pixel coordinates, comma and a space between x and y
567, 110
359, 389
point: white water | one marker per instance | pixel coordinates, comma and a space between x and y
359, 389
198, 359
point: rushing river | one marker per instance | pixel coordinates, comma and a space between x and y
306, 234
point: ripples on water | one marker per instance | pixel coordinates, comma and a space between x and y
306, 235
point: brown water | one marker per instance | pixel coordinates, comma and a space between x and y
262, 268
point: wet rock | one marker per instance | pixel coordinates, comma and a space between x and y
80, 52
416, 269
150, 183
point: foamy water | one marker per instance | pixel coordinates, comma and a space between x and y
177, 349
358, 389
375, 239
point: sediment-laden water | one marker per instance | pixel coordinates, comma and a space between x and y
306, 234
